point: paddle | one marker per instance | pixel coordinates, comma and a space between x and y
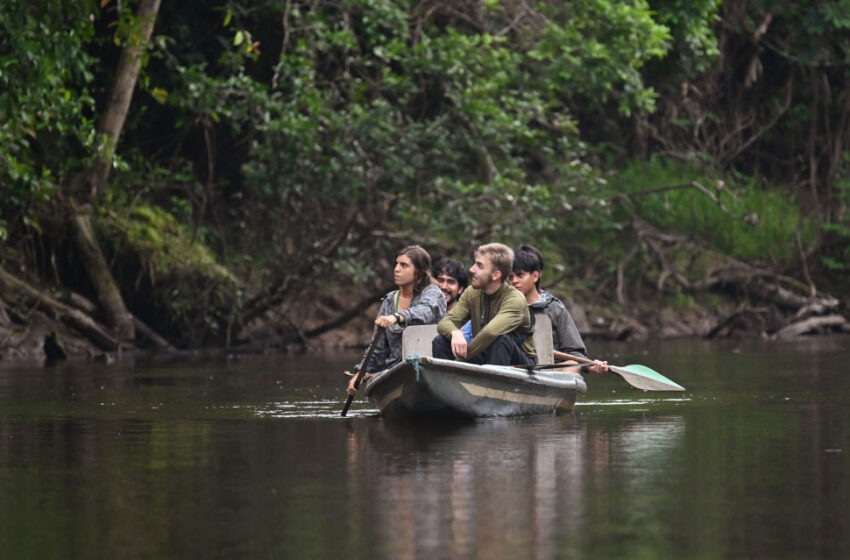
363, 366
635, 375
532, 367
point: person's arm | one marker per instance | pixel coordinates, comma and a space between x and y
599, 367
450, 325
456, 317
429, 308
510, 316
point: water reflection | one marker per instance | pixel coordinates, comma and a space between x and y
250, 459
503, 488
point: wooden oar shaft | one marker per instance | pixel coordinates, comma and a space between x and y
364, 365
533, 367
565, 356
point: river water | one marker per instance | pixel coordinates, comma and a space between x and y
248, 458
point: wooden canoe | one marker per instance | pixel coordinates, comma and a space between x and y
425, 387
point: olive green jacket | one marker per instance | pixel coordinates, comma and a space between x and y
505, 312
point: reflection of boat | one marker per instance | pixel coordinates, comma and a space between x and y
421, 386
512, 487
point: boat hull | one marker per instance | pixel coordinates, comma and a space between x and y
427, 387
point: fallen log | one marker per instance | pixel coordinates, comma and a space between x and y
97, 333
811, 324
145, 331
142, 329
774, 293
347, 316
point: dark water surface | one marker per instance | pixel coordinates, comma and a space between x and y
250, 459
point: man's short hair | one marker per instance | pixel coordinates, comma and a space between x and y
528, 259
451, 268
500, 255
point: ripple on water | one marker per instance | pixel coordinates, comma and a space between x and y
326, 408
330, 408
630, 402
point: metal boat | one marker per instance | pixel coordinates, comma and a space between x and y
423, 386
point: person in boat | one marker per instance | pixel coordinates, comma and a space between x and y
417, 301
501, 323
525, 277
452, 279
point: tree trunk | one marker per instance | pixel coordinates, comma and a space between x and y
91, 181
115, 114
4, 317
108, 295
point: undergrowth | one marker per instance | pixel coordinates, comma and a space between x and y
737, 216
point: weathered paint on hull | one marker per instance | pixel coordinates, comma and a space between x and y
425, 387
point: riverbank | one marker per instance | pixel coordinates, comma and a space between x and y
31, 331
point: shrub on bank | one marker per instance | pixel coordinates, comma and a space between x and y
734, 215
167, 278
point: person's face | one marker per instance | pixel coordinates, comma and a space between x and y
482, 272
449, 286
524, 281
404, 272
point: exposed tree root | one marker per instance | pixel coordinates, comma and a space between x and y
769, 304
77, 316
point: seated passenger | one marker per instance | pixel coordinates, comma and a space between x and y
525, 277
501, 324
418, 301
452, 279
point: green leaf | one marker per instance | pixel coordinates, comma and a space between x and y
159, 94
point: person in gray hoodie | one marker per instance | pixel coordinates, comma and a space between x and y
525, 277
417, 301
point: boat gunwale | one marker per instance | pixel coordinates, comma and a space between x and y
508, 374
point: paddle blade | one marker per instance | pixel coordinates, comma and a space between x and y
645, 378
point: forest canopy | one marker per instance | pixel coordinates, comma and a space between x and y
215, 173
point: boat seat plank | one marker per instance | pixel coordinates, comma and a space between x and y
543, 339
417, 339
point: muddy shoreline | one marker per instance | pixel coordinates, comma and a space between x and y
26, 334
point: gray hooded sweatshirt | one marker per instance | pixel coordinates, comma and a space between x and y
565, 335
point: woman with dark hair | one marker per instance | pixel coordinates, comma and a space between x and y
417, 301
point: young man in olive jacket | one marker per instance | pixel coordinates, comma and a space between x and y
501, 323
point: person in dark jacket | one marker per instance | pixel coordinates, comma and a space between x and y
525, 277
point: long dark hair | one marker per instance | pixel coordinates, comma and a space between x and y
422, 266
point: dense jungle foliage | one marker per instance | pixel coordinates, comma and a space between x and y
202, 173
